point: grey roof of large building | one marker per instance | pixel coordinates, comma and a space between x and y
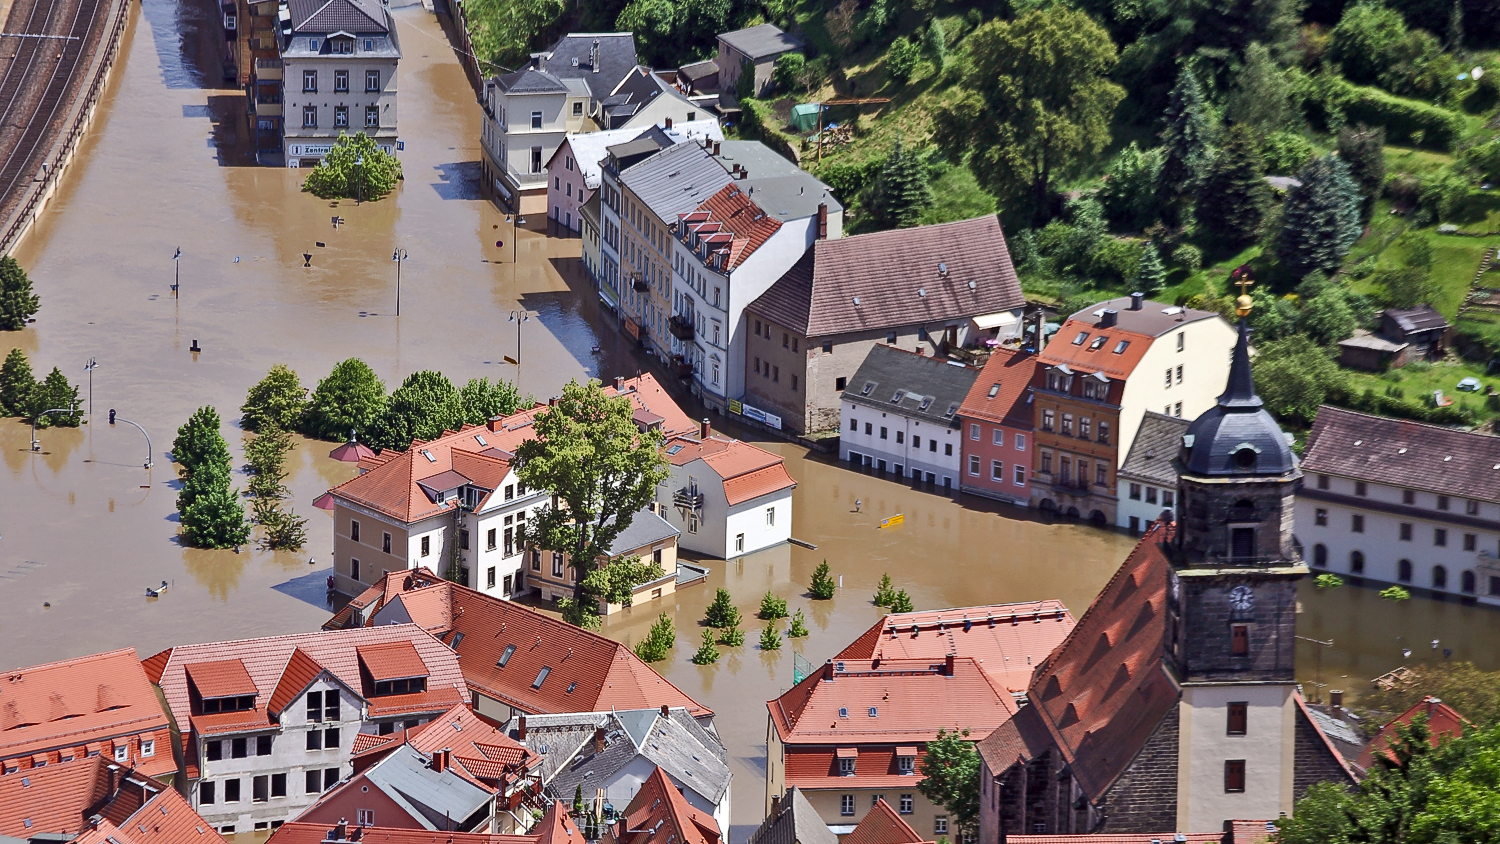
912, 385
646, 528
795, 821
638, 90
407, 778
352, 16
529, 81
1156, 444
572, 56
781, 188
1399, 452
760, 41
1153, 319
676, 180
678, 744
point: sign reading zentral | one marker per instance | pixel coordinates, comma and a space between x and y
322, 149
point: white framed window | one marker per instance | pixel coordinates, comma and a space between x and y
997, 471
364, 817
906, 766
372, 81
1020, 441
121, 752
940, 825
846, 767
536, 120
906, 804
997, 437
974, 465
1179, 373
148, 747
1020, 477
770, 517
974, 431
846, 805
739, 542
1169, 376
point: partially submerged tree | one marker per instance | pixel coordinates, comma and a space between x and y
354, 168
422, 408
17, 303
276, 401
350, 400
210, 510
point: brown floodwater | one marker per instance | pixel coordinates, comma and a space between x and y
84, 528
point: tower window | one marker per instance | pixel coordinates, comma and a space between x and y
1242, 543
1245, 457
1239, 716
1239, 640
1234, 776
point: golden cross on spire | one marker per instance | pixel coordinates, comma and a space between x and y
1241, 278
1244, 282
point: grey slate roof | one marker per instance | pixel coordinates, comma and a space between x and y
425, 794
690, 754
1238, 424
571, 57
676, 180
1422, 318
353, 16
795, 822
639, 89
761, 41
645, 529
528, 81
1446, 461
930, 389
698, 70
1153, 319
1156, 444
781, 188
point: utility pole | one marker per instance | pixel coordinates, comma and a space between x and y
399, 256
177, 274
89, 367
519, 317
516, 221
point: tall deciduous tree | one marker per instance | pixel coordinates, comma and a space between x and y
1293, 376
210, 510
1366, 39
350, 400
950, 778
484, 399
276, 401
1363, 151
900, 192
1186, 148
1129, 192
1234, 199
601, 469
1321, 219
199, 442
17, 302
422, 408
16, 384
1261, 98
355, 167
1036, 104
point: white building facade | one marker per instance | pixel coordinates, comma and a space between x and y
898, 415
339, 63
727, 498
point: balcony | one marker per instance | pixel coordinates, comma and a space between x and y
640, 284
263, 108
268, 70
682, 367
688, 499
680, 328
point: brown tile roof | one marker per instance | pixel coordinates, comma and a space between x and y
1402, 453
1443, 722
748, 471
1104, 690
166, 818
912, 700
1000, 393
881, 825
479, 747
79, 701
739, 226
1020, 739
268, 659
608, 675
61, 797
300, 832
1095, 352
222, 678
886, 269
659, 811
391, 661
1007, 640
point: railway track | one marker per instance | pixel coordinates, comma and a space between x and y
39, 79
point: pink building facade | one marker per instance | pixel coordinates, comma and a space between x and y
996, 420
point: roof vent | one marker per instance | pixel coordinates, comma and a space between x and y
922, 291
856, 300
1137, 300
973, 286
943, 269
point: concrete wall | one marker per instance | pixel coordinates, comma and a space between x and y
899, 440
984, 445
1267, 748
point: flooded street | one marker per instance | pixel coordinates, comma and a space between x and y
84, 528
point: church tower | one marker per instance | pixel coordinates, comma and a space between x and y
1235, 566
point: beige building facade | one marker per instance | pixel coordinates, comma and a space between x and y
338, 76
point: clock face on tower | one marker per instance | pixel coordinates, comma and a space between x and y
1241, 598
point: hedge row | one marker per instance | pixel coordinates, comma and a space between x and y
1335, 100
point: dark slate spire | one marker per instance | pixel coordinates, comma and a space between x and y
1240, 393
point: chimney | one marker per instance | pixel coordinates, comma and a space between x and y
521, 728
1109, 319
716, 148
552, 402
822, 221
666, 711
828, 670
1137, 301
948, 664
339, 832
705, 429
447, 757
669, 123
439, 762
1336, 698
358, 834
775, 806
594, 57
619, 383
598, 739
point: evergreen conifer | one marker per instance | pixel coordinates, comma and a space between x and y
1234, 199
722, 613
900, 192
902, 602
1186, 148
16, 384
17, 302
1150, 275
798, 629
1363, 151
822, 582
707, 654
770, 639
1321, 219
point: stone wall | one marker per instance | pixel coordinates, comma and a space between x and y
1208, 617
1313, 760
1144, 797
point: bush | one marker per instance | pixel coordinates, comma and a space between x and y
355, 167
1441, 195
722, 613
1189, 257
659, 641
1395, 593
1116, 260
1286, 153
17, 303
770, 640
901, 59
707, 654
822, 582
1406, 121
1483, 160
1328, 581
848, 179
772, 607
788, 71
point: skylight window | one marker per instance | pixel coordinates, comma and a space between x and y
1082, 336
571, 686
457, 637
994, 390
510, 651
674, 449
541, 677
1098, 341
869, 385
843, 712
926, 402
896, 399
427, 454
480, 440
951, 408
874, 712
1121, 346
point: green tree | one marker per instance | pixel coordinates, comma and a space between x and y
732, 637
215, 518
1363, 151
1327, 319
599, 467
744, 84
770, 640
822, 582
901, 602
1320, 220
355, 167
1035, 105
350, 400
659, 641
901, 59
884, 593
266, 457
614, 581
276, 401
1150, 275
900, 192
1261, 99
1286, 153
1365, 40
422, 408
707, 654
1273, 317
17, 303
484, 400
1186, 148
1129, 191
798, 628
1234, 198
950, 777
935, 45
772, 607
654, 23
787, 72
1410, 283
1483, 160
199, 443
52, 392
502, 31
16, 384
1293, 376
722, 612
209, 509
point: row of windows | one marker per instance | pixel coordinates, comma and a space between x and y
916, 440
120, 753
904, 806
997, 470
340, 117
341, 82
1168, 497
263, 788
339, 46
1408, 497
766, 370
1405, 530
1066, 464
1085, 426
1468, 581
997, 436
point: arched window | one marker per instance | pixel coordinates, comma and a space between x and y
1357, 562
1320, 555
1467, 582
1403, 571
1439, 577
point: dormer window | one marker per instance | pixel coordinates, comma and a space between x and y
1245, 456
242, 703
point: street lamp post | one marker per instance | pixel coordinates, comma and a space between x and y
89, 367
113, 418
519, 317
399, 256
36, 444
359, 164
516, 221
177, 274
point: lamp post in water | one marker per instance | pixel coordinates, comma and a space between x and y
399, 256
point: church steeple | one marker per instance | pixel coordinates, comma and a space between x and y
1241, 390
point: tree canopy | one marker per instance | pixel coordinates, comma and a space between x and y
350, 400
355, 167
422, 408
276, 401
1321, 219
950, 777
209, 509
17, 303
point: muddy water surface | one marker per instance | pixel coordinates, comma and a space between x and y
84, 528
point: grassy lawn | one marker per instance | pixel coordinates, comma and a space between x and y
1419, 380
956, 196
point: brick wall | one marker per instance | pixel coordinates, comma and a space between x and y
1208, 619
1313, 760
1144, 797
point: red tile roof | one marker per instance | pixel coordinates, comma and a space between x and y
912, 699
1091, 356
1443, 722
659, 811
1007, 640
75, 702
748, 472
301, 670
1250, 832
337, 651
61, 797
224, 678
881, 825
352, 452
393, 482
482, 749
607, 673
746, 225
391, 661
1000, 394
166, 818
316, 833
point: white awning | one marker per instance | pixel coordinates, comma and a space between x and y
996, 320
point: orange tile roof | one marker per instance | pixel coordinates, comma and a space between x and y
1118, 838
77, 701
393, 485
1250, 832
301, 670
1000, 392
1443, 722
607, 673
299, 832
659, 811
61, 797
1090, 356
223, 678
482, 749
166, 818
337, 651
748, 472
391, 661
912, 699
881, 825
1007, 640
737, 215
